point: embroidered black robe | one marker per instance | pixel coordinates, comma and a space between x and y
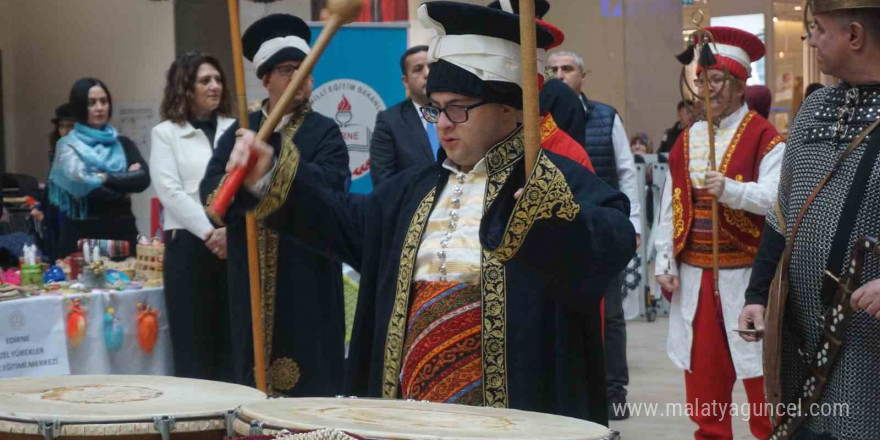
303, 309
546, 259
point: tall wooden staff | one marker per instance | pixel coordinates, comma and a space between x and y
710, 120
253, 253
341, 12
528, 46
702, 41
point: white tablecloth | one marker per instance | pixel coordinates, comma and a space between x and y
33, 340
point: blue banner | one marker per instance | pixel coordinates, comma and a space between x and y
357, 77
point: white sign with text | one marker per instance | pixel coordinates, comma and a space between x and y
32, 339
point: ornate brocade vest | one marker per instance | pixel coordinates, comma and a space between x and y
739, 230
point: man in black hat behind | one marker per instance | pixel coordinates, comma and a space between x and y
45, 216
478, 286
303, 311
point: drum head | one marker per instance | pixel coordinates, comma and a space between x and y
122, 399
397, 419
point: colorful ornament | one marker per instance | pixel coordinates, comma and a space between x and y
11, 276
112, 330
148, 327
76, 322
53, 275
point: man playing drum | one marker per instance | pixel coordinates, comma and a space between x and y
478, 286
301, 290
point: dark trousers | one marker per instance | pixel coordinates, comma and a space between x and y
197, 306
616, 369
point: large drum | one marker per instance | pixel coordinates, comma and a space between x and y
381, 419
133, 407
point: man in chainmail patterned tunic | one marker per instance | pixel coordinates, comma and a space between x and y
847, 36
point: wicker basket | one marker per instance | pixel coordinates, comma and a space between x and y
149, 261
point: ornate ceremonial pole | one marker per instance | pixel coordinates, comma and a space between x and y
701, 44
253, 253
341, 13
710, 120
528, 45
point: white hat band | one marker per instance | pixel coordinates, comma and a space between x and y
735, 53
275, 45
489, 58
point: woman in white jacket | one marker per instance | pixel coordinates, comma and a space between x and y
195, 113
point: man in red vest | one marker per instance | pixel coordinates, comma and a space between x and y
748, 154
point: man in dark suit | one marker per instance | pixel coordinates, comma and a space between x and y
402, 138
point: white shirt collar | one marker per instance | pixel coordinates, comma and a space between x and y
284, 119
732, 120
479, 168
419, 114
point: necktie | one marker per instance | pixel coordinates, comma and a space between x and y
431, 130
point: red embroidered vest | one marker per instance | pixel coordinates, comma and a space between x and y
739, 230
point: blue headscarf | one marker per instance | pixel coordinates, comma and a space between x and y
80, 157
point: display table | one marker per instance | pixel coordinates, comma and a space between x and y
47, 335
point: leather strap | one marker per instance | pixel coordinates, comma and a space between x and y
779, 217
852, 204
832, 335
794, 228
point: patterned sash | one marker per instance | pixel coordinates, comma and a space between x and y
697, 250
442, 350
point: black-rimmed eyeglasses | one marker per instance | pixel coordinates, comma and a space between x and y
457, 114
285, 69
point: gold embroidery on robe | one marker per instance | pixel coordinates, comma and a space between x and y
773, 143
285, 172
677, 213
397, 324
493, 280
680, 224
267, 245
735, 142
284, 374
546, 195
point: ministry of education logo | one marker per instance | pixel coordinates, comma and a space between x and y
354, 106
17, 321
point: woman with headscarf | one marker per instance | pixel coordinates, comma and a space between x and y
641, 144
759, 98
93, 173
